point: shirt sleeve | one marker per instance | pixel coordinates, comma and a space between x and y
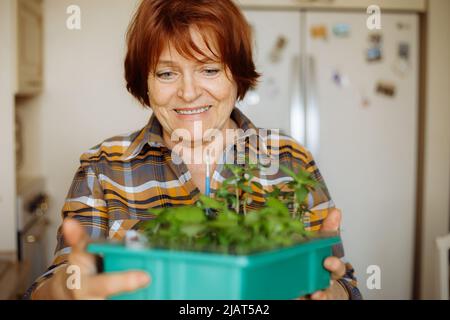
320, 203
85, 203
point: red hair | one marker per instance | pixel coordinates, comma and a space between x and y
160, 22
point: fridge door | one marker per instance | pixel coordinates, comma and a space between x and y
362, 130
277, 57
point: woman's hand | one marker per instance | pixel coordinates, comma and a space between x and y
335, 291
333, 264
91, 284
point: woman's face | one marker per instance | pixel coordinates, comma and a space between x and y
185, 93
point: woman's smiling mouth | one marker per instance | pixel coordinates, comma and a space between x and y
192, 111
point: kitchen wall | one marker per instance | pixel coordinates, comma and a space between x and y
7, 147
85, 100
437, 141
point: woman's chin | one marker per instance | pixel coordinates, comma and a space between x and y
189, 136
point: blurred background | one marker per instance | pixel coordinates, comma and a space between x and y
364, 85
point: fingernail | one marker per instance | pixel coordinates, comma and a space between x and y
317, 296
144, 278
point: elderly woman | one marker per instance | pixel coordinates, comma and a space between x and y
189, 61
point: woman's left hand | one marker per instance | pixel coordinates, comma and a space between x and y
333, 264
335, 291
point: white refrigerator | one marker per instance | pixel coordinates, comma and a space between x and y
350, 95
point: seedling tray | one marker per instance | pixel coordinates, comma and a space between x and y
285, 273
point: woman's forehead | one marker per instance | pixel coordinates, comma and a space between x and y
201, 49
174, 57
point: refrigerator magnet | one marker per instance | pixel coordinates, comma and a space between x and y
340, 80
401, 64
365, 102
341, 30
277, 49
375, 39
401, 68
386, 89
403, 51
374, 54
403, 26
319, 32
364, 98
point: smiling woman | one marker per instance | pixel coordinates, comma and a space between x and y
198, 64
222, 36
189, 61
184, 91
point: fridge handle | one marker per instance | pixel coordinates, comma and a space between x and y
312, 119
297, 112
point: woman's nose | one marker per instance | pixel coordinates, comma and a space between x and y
189, 89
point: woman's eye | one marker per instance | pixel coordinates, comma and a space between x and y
211, 72
165, 75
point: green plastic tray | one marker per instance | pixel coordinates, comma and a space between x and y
285, 273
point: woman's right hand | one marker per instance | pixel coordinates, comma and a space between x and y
90, 285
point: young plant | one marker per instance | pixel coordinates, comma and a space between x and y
301, 185
229, 230
237, 189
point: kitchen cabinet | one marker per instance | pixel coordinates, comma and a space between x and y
391, 5
29, 47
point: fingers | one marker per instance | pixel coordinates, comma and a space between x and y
96, 286
105, 285
85, 261
333, 221
335, 266
334, 292
319, 295
74, 235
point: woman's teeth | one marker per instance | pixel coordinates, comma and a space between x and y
193, 111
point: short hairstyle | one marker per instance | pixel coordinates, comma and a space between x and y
157, 23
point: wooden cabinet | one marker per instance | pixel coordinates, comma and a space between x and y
29, 47
392, 5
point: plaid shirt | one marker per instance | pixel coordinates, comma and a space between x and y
121, 178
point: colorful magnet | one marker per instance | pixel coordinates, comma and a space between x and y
278, 48
364, 98
319, 32
386, 88
340, 80
403, 51
402, 64
375, 38
341, 30
403, 25
375, 50
374, 54
365, 102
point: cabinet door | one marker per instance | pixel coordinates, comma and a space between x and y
30, 30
